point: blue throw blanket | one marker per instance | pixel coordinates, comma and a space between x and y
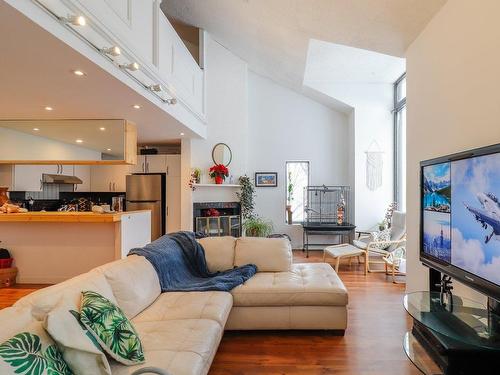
180, 263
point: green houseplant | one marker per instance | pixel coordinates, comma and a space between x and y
246, 195
257, 227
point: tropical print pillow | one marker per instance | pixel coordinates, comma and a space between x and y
32, 352
111, 328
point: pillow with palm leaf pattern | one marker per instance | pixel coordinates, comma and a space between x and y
32, 352
111, 328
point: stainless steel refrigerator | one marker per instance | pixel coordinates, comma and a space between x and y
148, 191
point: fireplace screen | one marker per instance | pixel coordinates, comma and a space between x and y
217, 218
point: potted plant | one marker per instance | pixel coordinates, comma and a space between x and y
246, 196
289, 199
257, 227
219, 172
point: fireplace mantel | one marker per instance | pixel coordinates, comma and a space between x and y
234, 186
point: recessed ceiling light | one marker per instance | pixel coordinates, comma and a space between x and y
79, 141
48, 108
108, 149
74, 20
78, 73
136, 106
182, 134
102, 129
36, 129
112, 51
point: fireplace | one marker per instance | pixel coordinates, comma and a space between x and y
217, 218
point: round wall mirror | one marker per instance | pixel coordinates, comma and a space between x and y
222, 154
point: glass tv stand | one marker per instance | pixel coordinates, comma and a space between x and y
448, 333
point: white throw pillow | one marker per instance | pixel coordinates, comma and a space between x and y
382, 236
79, 348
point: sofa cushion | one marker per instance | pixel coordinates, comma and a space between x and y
44, 300
189, 305
134, 282
181, 347
219, 252
268, 254
307, 284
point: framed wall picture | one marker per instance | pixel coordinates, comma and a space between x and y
266, 179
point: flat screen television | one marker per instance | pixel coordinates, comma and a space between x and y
460, 217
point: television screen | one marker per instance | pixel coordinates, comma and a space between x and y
461, 214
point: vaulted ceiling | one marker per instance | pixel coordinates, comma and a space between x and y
273, 35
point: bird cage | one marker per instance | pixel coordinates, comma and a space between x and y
326, 205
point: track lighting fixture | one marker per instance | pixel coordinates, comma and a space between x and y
132, 66
112, 51
74, 20
171, 101
156, 88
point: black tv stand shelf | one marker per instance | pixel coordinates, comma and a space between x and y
451, 337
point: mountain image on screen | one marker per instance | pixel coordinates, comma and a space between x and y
476, 216
437, 208
437, 189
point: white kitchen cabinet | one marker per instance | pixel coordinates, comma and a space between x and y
130, 21
174, 165
29, 177
83, 173
140, 167
156, 164
108, 178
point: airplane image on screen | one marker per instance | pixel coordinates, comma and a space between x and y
489, 214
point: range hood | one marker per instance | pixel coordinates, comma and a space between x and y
60, 179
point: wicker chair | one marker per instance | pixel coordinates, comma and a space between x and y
381, 249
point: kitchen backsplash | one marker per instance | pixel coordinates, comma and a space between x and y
53, 196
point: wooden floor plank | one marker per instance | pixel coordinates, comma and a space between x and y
372, 344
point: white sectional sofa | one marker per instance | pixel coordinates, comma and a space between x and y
181, 331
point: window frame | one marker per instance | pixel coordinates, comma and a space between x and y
308, 162
399, 106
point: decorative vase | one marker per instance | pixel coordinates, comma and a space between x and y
3, 195
219, 180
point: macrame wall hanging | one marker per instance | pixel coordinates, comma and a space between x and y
374, 166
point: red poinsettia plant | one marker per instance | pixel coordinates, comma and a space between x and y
219, 172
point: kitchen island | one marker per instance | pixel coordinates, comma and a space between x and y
50, 247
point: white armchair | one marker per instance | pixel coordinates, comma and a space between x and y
378, 250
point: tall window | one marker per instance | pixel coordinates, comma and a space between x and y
400, 142
297, 178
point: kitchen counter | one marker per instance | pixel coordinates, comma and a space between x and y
50, 247
67, 217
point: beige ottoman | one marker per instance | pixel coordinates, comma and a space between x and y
344, 251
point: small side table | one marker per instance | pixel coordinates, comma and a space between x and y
344, 251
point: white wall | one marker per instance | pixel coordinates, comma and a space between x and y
227, 117
284, 125
453, 99
373, 121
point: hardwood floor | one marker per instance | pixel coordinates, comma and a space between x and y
372, 344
